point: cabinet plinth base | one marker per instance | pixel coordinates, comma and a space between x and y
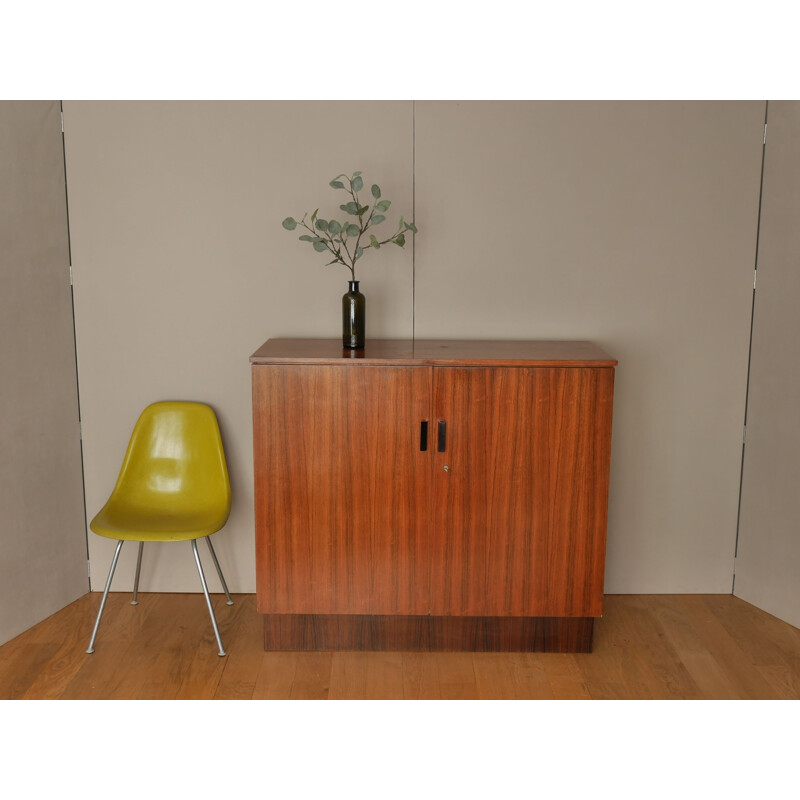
428, 634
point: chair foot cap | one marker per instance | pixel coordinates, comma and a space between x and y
134, 602
89, 652
229, 603
222, 653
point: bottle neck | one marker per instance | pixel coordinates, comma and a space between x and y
352, 286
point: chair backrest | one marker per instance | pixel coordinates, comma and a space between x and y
175, 460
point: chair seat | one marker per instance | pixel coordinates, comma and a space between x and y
146, 525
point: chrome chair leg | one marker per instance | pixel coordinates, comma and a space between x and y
135, 601
105, 595
219, 571
208, 598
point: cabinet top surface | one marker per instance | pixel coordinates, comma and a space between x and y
434, 352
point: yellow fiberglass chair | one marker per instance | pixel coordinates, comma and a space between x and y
173, 487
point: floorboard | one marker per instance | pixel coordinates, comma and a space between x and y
275, 675
645, 647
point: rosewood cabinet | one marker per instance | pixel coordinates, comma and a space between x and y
442, 495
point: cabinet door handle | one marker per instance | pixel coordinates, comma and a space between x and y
423, 435
442, 442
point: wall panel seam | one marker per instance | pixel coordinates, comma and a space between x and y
414, 218
750, 346
75, 345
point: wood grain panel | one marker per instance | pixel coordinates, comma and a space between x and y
519, 517
424, 633
342, 491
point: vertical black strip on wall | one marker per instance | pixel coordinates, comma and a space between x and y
750, 346
74, 336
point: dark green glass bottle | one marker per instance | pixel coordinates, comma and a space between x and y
353, 317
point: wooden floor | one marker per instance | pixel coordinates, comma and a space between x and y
645, 647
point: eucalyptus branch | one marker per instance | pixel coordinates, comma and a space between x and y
358, 243
331, 235
352, 265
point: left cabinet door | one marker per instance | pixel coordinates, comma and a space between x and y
342, 489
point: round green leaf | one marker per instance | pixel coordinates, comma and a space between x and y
336, 184
306, 238
377, 219
358, 184
410, 226
353, 230
400, 239
376, 191
350, 208
383, 205
322, 224
374, 242
289, 223
320, 247
359, 252
334, 227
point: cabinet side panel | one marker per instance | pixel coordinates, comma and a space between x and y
342, 489
597, 422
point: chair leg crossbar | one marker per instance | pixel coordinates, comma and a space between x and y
135, 599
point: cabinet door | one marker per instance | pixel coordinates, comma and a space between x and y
342, 489
519, 516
